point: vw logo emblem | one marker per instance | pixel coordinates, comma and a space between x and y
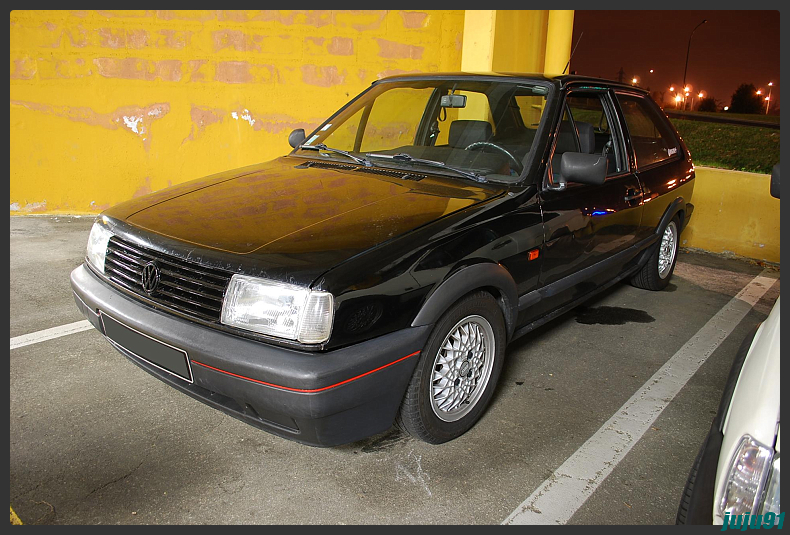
150, 278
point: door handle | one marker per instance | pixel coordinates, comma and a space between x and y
634, 197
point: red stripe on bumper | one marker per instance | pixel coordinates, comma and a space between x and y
302, 389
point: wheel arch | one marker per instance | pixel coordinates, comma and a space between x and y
487, 276
676, 207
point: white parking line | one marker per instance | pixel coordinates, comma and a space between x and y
565, 491
49, 334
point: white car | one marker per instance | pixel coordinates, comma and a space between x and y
737, 469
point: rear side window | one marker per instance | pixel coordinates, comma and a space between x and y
652, 139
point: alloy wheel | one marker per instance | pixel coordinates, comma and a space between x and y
667, 250
462, 368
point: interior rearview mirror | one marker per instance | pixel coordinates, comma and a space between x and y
775, 181
583, 168
453, 101
296, 137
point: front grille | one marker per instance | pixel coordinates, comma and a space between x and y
190, 289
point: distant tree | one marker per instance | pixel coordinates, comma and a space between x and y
709, 104
746, 100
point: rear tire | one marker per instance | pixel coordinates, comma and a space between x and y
457, 372
655, 274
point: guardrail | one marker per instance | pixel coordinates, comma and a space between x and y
718, 119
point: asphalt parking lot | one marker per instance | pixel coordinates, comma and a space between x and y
96, 440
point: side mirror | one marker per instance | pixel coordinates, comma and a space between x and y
775, 181
296, 137
583, 168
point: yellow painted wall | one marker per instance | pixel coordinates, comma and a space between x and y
108, 105
733, 213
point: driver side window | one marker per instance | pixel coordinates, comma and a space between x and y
590, 117
585, 128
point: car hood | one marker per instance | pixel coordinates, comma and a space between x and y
296, 213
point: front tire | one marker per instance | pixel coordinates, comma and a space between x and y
457, 373
685, 500
656, 273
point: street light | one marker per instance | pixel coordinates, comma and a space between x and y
768, 98
689, 50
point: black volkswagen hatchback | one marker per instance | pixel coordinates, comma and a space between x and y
376, 274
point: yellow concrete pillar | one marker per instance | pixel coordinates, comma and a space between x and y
558, 40
516, 40
477, 54
513, 41
520, 40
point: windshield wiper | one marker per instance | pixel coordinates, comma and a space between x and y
403, 157
321, 146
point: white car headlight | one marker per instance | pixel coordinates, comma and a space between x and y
746, 477
278, 309
97, 245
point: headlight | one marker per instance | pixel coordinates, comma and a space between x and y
746, 478
278, 309
97, 245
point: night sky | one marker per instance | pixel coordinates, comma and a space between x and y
732, 48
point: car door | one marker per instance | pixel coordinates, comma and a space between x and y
660, 161
589, 230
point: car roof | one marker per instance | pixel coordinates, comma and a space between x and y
558, 79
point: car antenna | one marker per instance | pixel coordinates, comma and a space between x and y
572, 51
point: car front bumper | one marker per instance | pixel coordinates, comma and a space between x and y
321, 399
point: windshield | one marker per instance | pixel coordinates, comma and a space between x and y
465, 128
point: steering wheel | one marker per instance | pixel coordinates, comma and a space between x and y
485, 144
